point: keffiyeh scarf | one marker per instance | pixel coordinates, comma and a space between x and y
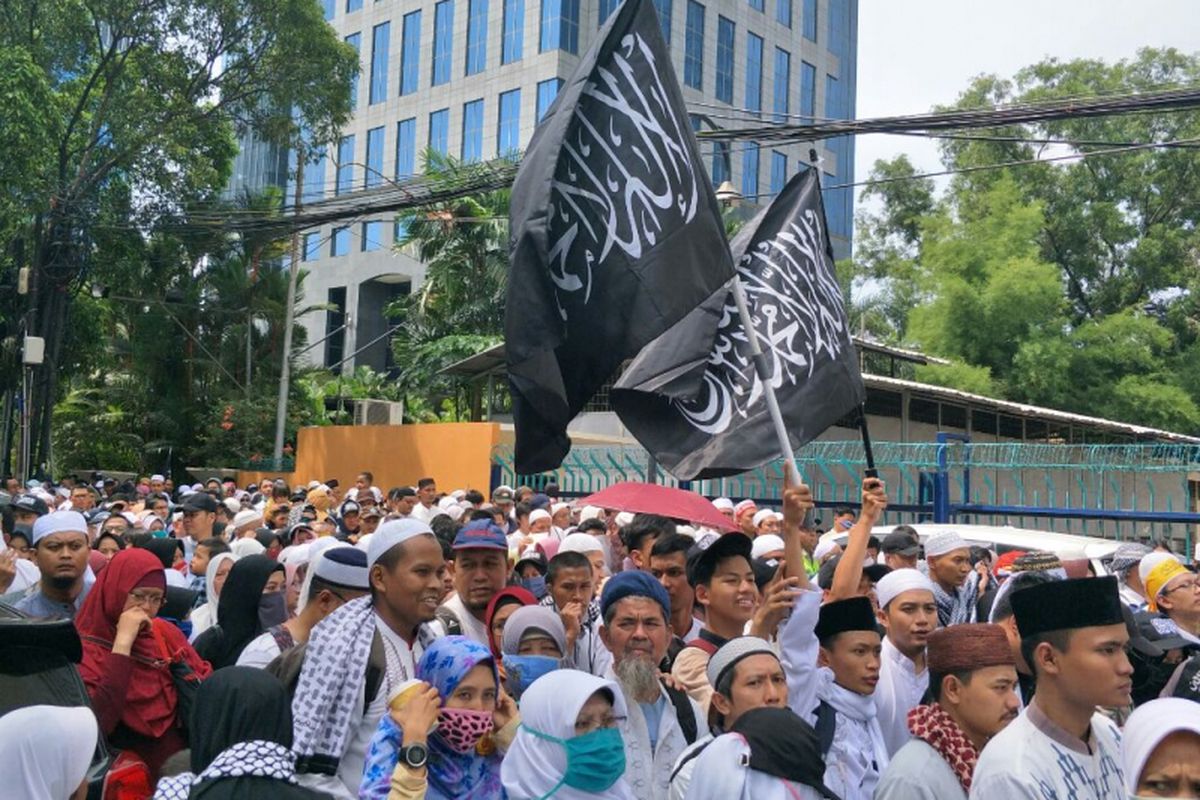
957, 608
253, 759
932, 725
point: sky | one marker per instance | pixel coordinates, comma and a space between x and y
914, 54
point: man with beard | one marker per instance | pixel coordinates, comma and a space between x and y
60, 544
662, 722
972, 681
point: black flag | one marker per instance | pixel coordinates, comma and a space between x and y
785, 264
616, 234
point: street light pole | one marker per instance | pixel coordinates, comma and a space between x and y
285, 372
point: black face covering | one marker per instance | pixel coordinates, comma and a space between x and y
783, 745
272, 610
238, 618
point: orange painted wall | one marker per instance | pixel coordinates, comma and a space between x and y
457, 455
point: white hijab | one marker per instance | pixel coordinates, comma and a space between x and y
1145, 729
533, 766
723, 772
205, 616
46, 750
247, 547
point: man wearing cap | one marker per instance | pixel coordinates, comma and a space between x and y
348, 522
60, 544
972, 682
27, 509
743, 516
765, 521
362, 654
339, 576
480, 571
1173, 596
661, 722
901, 548
1124, 565
371, 517
908, 613
199, 515
246, 523
1074, 636
955, 585
724, 505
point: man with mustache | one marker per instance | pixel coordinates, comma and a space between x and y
972, 676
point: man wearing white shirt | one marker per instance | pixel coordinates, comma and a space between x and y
426, 507
908, 612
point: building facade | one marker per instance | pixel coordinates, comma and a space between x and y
471, 78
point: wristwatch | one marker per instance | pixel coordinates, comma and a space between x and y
414, 756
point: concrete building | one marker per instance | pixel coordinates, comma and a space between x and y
471, 78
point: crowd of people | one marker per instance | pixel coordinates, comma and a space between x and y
316, 641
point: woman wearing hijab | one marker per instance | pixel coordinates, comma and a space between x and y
568, 746
170, 553
46, 751
215, 576
241, 742
1160, 748
462, 758
533, 644
251, 602
108, 545
501, 607
128, 656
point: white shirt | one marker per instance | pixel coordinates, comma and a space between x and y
423, 513
472, 628
648, 771
260, 652
918, 772
899, 691
1034, 758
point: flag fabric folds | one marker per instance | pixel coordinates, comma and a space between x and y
785, 263
616, 233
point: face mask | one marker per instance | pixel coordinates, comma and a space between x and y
595, 761
536, 585
272, 610
159, 534
524, 670
462, 728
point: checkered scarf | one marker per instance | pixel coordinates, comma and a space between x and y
932, 725
253, 759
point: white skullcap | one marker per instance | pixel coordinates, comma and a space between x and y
455, 512
233, 505
732, 652
246, 518
591, 512
157, 479
1145, 566
392, 533
767, 543
459, 494
580, 543
59, 522
624, 518
185, 491
944, 542
538, 513
723, 504
557, 507
742, 506
762, 516
899, 581
686, 530
246, 547
1147, 726
824, 548
296, 554
446, 502
313, 484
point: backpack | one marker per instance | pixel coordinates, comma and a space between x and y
826, 726
684, 713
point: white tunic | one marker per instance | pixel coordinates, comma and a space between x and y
648, 772
261, 651
918, 772
899, 691
1035, 758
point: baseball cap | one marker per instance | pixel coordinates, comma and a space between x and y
199, 501
701, 563
31, 505
902, 542
480, 535
502, 495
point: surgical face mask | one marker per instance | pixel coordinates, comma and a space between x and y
524, 670
272, 610
462, 728
536, 585
595, 761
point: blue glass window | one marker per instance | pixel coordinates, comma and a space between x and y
833, 98
508, 130
810, 20
372, 235
720, 167
725, 33
406, 148
339, 243
778, 171
560, 26
693, 46
443, 40
477, 13
375, 144
758, 5
514, 31
663, 7
353, 5
808, 92
754, 71
439, 131
472, 131
783, 12
345, 165
750, 172
314, 176
546, 92
330, 9
410, 53
312, 246
355, 41
380, 38
606, 9
783, 84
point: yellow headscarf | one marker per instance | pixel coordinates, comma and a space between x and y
1160, 576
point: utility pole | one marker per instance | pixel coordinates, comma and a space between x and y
285, 372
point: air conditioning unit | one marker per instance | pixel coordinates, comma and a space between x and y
378, 412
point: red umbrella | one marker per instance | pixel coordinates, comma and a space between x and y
653, 498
